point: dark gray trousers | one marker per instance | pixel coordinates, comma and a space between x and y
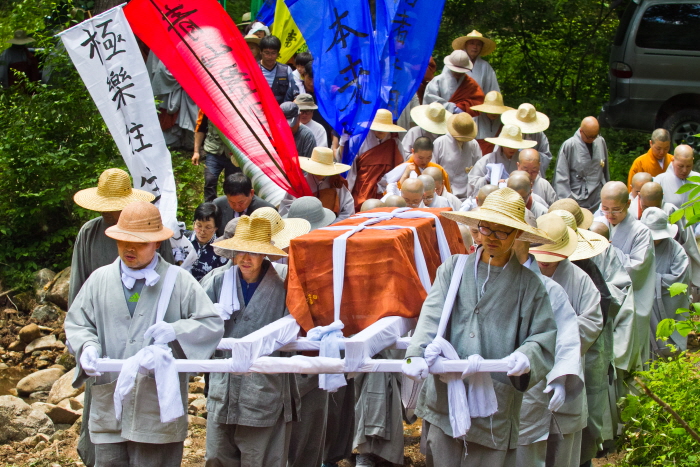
132, 454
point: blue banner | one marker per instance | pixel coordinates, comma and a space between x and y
266, 14
347, 76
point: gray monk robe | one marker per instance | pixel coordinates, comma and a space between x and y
580, 173
672, 265
542, 147
686, 237
99, 316
250, 414
536, 420
544, 190
480, 175
457, 159
493, 326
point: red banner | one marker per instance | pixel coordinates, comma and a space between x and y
201, 46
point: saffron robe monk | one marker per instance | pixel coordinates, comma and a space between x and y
454, 88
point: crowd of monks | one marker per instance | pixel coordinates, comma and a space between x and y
564, 280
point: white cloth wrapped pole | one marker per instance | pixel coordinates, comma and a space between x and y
376, 337
330, 337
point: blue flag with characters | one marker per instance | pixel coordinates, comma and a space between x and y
266, 14
347, 76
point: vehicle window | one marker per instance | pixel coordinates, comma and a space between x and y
625, 23
673, 26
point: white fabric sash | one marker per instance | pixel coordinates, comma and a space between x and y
228, 300
157, 358
497, 172
130, 276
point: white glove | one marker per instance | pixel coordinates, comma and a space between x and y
88, 360
415, 368
221, 311
161, 332
558, 397
519, 364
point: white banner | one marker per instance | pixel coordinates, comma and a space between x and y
105, 53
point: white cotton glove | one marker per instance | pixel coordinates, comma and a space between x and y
223, 314
415, 368
161, 332
88, 361
519, 364
558, 397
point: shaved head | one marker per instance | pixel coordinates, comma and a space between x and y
529, 154
614, 202
434, 172
371, 204
529, 161
661, 135
683, 161
683, 151
466, 235
590, 126
428, 182
616, 191
394, 201
520, 182
651, 195
412, 185
600, 229
484, 191
638, 181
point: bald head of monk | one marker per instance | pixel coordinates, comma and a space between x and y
412, 192
600, 229
520, 182
660, 143
394, 201
437, 177
638, 181
466, 235
589, 130
428, 189
529, 161
683, 161
651, 196
614, 202
372, 204
484, 191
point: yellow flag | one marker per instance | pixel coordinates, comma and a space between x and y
287, 31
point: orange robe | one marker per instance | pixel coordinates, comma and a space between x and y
445, 176
371, 167
648, 163
468, 93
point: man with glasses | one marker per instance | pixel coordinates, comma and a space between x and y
582, 166
207, 217
278, 75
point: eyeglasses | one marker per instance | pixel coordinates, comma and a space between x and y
499, 234
202, 228
611, 211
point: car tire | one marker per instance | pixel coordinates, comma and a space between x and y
683, 126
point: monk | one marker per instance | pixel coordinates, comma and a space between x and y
677, 175
520, 182
457, 151
440, 188
430, 198
420, 159
657, 160
529, 161
454, 88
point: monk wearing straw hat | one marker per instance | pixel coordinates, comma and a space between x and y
431, 121
518, 326
489, 119
454, 88
117, 313
322, 174
477, 46
532, 124
457, 152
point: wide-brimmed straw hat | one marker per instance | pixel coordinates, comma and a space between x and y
283, 230
462, 126
139, 222
565, 240
245, 20
458, 61
21, 38
511, 137
322, 163
590, 244
432, 118
112, 193
657, 221
584, 217
383, 121
527, 118
461, 42
252, 236
506, 207
311, 209
493, 104
251, 38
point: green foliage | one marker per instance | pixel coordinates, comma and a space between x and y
189, 182
685, 324
651, 436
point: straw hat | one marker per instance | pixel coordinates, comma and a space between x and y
493, 104
250, 38
657, 221
505, 207
511, 137
305, 102
139, 222
462, 126
322, 163
283, 230
461, 42
584, 217
458, 61
311, 209
565, 240
432, 118
113, 193
245, 20
383, 121
590, 244
21, 38
252, 236
527, 118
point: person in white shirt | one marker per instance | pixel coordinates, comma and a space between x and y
477, 46
677, 175
430, 198
307, 107
440, 188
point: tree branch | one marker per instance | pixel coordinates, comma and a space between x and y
668, 409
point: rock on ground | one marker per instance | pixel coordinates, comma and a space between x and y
63, 388
59, 414
39, 381
19, 421
58, 293
46, 312
45, 343
41, 278
29, 333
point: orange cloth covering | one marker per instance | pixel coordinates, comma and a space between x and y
380, 273
371, 167
445, 176
648, 163
468, 93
